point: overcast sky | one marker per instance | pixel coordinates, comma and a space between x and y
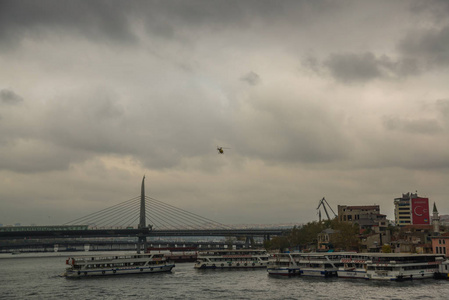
347, 100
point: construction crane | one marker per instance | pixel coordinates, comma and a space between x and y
323, 203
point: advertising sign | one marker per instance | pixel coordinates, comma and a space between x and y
420, 211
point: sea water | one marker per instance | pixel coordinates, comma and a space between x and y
38, 277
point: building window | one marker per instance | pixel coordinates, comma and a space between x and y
436, 250
444, 250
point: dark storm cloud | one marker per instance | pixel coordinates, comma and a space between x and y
430, 46
413, 126
437, 10
364, 67
9, 97
34, 19
102, 20
251, 78
353, 67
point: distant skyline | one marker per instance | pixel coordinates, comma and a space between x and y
347, 100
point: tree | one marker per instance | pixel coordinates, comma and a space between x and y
386, 248
346, 236
277, 243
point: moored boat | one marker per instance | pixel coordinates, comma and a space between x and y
443, 270
117, 265
176, 254
284, 264
319, 264
402, 266
231, 259
353, 265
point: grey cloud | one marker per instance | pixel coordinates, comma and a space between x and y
413, 126
28, 155
442, 106
362, 67
312, 63
353, 67
430, 46
93, 19
9, 97
251, 78
119, 21
436, 10
285, 131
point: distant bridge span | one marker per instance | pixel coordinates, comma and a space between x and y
164, 220
144, 232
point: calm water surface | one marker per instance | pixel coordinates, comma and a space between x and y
24, 277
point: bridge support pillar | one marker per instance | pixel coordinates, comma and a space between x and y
142, 241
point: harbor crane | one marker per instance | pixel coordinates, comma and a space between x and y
323, 203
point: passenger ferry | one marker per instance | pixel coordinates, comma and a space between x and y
354, 265
390, 266
175, 254
401, 266
320, 264
284, 264
231, 259
443, 270
117, 265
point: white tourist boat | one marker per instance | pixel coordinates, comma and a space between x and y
443, 269
353, 265
117, 265
231, 259
319, 264
390, 266
284, 264
401, 266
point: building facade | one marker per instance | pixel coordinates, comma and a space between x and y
410, 209
363, 215
325, 239
440, 244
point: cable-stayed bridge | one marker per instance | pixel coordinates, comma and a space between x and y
139, 217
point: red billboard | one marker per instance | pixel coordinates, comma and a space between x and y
420, 211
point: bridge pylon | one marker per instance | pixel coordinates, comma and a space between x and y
142, 239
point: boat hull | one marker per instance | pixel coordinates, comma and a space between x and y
394, 276
242, 265
118, 271
356, 274
284, 271
318, 273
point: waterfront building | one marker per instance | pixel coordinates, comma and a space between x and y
365, 216
440, 244
410, 209
414, 239
325, 239
354, 214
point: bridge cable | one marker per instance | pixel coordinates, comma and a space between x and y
102, 212
170, 214
187, 213
105, 219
